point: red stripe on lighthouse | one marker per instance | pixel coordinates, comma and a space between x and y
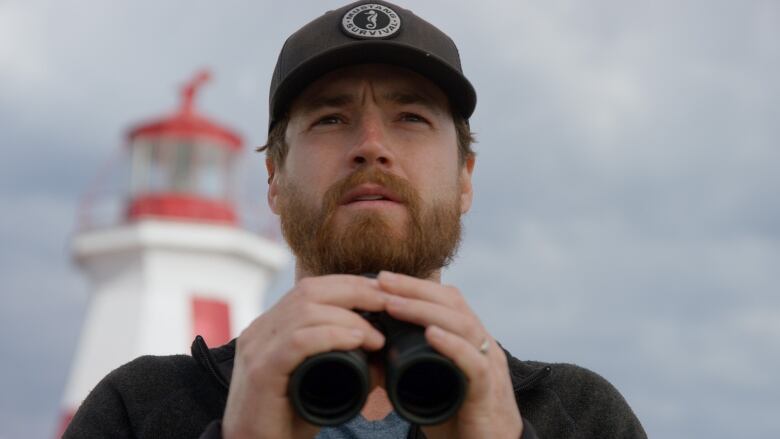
65, 419
211, 320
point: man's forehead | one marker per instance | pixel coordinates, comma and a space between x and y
391, 83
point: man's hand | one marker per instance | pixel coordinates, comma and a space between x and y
489, 409
315, 316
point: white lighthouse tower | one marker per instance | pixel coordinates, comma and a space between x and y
178, 264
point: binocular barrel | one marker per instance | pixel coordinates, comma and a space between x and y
330, 388
424, 387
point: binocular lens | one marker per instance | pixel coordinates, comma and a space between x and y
429, 390
330, 388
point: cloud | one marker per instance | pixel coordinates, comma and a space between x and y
22, 56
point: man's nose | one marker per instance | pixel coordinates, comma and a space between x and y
372, 146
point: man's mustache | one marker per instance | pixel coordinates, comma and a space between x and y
400, 187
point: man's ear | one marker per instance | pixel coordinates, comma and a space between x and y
273, 185
466, 188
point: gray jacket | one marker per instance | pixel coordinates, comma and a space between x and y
184, 396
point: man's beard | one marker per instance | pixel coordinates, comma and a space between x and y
367, 242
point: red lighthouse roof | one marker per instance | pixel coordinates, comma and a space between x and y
187, 122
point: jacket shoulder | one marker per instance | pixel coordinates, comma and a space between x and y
154, 372
567, 400
152, 396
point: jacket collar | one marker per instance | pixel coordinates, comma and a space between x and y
525, 375
218, 361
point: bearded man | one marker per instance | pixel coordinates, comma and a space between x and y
370, 169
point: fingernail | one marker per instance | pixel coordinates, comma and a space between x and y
356, 334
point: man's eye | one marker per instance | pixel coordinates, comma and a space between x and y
411, 117
329, 120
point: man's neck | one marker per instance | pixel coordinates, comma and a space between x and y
377, 406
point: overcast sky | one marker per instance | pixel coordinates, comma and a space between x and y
626, 215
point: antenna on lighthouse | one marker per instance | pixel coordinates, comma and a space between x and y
191, 88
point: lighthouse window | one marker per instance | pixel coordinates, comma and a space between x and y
211, 169
159, 171
141, 153
182, 168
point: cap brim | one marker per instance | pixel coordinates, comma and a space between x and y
458, 89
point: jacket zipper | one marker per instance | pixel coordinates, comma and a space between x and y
203, 351
533, 379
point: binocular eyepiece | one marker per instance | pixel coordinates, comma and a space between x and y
424, 387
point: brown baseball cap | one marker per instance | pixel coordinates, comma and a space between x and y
368, 32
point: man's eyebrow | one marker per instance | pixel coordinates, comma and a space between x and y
326, 101
412, 97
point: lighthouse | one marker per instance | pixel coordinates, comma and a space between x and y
177, 264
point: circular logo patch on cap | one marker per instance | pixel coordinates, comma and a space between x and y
371, 20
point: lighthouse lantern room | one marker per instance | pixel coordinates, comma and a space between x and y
178, 264
182, 166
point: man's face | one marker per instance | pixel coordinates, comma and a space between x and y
372, 179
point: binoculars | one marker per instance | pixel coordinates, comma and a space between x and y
425, 387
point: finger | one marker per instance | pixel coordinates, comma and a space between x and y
291, 350
345, 291
474, 364
412, 287
427, 313
314, 314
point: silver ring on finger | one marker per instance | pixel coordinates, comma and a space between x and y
483, 348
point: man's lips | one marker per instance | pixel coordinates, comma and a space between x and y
369, 193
